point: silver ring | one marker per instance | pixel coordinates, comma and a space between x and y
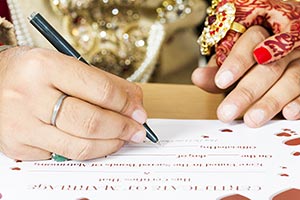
57, 108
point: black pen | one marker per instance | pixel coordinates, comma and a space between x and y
40, 23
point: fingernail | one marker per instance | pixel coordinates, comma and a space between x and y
228, 112
257, 116
139, 137
293, 110
224, 79
262, 55
139, 116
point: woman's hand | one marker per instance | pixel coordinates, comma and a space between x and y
100, 113
262, 91
281, 18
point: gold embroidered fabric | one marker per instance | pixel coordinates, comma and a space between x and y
113, 34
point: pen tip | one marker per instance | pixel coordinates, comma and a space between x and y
150, 134
158, 143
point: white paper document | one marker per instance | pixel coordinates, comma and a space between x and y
197, 159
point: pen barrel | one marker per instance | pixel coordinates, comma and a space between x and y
150, 134
54, 37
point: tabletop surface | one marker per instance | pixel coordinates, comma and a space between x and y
179, 101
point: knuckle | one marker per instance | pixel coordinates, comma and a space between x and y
91, 124
16, 52
134, 96
83, 151
33, 62
105, 90
81, 74
294, 78
257, 34
272, 104
125, 130
38, 54
138, 90
247, 95
275, 68
125, 105
27, 67
240, 61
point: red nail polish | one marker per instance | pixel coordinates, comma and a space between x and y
262, 55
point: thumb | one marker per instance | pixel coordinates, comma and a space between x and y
203, 77
276, 47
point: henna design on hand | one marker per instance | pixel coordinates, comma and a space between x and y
282, 19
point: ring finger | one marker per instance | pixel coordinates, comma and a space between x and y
240, 59
85, 120
89, 121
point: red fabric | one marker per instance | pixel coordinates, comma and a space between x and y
4, 12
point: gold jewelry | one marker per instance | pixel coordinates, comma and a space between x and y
237, 27
218, 22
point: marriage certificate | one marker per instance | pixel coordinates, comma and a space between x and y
197, 159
